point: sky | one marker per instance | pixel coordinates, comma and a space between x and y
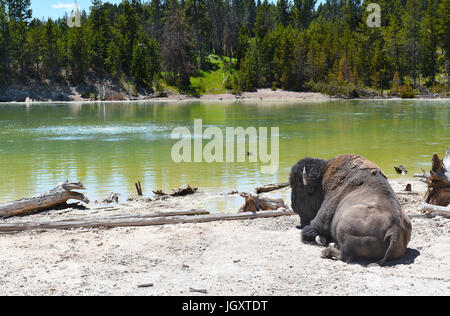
57, 8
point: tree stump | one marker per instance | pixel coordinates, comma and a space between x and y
439, 181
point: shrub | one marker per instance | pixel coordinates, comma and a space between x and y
407, 92
274, 86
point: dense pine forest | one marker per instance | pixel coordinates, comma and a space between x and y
292, 45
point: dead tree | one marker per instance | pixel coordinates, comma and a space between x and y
439, 181
53, 198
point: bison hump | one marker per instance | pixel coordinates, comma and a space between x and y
364, 164
340, 168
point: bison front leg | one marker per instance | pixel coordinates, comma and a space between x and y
321, 225
309, 234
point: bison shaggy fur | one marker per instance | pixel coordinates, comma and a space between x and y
349, 201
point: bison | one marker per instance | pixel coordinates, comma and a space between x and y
348, 202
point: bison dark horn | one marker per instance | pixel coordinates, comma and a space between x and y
305, 182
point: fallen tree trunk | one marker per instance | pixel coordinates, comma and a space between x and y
439, 181
272, 187
407, 193
54, 198
136, 221
257, 204
440, 210
154, 215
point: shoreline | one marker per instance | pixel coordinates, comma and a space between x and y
261, 95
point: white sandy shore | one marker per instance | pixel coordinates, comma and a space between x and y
255, 257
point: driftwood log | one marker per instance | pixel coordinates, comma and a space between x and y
439, 181
133, 221
53, 198
257, 204
422, 176
181, 191
271, 187
184, 190
439, 210
160, 193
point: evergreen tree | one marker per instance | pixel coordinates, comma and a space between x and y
242, 44
265, 19
444, 34
395, 45
283, 12
112, 61
249, 74
99, 34
19, 10
230, 36
4, 43
50, 52
379, 68
411, 37
304, 12
197, 16
429, 42
19, 13
33, 49
145, 62
125, 31
216, 12
77, 53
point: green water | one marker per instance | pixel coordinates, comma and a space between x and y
110, 146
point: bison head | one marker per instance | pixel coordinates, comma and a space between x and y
306, 183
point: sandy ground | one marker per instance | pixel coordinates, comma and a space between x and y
260, 94
255, 257
268, 94
52, 93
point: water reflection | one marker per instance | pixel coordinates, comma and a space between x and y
110, 146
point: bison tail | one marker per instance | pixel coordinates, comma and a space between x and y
391, 237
